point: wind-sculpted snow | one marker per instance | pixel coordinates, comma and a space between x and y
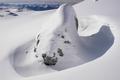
57, 43
59, 46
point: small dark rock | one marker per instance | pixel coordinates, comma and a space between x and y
60, 52
54, 54
38, 36
13, 14
35, 49
7, 11
62, 36
38, 42
76, 22
36, 56
50, 60
67, 42
44, 55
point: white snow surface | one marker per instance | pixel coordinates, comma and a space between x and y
92, 54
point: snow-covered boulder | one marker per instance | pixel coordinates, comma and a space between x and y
57, 40
54, 45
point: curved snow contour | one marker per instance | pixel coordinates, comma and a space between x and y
58, 46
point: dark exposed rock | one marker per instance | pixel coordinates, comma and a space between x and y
7, 11
44, 55
76, 22
38, 36
62, 36
60, 52
35, 49
13, 14
67, 42
36, 56
49, 60
54, 54
38, 42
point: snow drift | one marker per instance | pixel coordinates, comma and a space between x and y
61, 45
49, 41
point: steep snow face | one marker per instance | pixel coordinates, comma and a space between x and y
42, 1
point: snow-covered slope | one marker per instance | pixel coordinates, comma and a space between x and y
106, 8
25, 47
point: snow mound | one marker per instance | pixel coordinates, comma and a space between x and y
58, 45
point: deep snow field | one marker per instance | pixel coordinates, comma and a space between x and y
69, 43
